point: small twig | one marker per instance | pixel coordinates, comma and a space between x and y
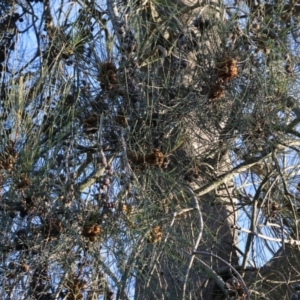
282, 232
287, 193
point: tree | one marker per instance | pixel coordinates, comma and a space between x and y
149, 150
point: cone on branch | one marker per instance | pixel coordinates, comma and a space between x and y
24, 182
8, 157
226, 69
108, 76
90, 124
156, 158
91, 231
155, 235
216, 92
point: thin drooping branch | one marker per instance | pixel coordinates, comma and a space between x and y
277, 240
208, 270
130, 262
231, 267
197, 242
241, 168
176, 214
93, 177
229, 175
254, 218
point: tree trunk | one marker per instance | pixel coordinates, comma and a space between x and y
172, 271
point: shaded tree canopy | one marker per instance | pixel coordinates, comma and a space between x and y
149, 149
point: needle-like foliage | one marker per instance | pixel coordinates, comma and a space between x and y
149, 150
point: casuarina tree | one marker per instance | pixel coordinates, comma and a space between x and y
149, 149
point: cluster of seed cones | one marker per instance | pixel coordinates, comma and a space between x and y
156, 158
74, 287
216, 92
108, 76
226, 70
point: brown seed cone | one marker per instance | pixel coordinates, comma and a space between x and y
91, 230
135, 158
216, 92
227, 69
274, 206
155, 158
90, 124
155, 235
107, 76
92, 238
79, 284
121, 119
24, 268
24, 182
